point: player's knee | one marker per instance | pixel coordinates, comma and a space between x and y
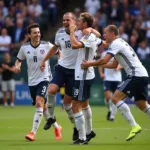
52, 91
39, 102
67, 100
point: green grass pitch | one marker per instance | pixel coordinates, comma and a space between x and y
16, 122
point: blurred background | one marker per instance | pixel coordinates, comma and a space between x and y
131, 16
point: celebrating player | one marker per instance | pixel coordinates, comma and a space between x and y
38, 81
137, 77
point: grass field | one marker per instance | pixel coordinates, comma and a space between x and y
16, 122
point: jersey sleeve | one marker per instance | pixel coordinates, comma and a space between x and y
114, 48
88, 40
21, 55
56, 40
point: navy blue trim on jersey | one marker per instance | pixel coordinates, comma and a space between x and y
19, 59
82, 44
100, 43
111, 54
128, 63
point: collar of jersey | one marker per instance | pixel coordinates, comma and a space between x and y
35, 46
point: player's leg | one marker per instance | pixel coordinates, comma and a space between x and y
79, 122
88, 120
87, 110
4, 90
108, 95
114, 85
38, 93
141, 96
53, 88
12, 93
37, 118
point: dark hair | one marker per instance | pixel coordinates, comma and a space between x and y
113, 28
72, 14
88, 18
31, 26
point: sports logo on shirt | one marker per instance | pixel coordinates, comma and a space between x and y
42, 51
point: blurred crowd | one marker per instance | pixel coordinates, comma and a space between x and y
132, 17
16, 15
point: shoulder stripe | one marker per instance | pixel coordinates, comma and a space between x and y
44, 42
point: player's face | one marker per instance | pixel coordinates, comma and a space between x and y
107, 35
66, 19
80, 24
35, 34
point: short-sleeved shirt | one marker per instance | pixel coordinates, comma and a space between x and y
69, 55
111, 74
6, 74
33, 56
90, 43
126, 56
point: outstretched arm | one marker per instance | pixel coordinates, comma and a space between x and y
50, 53
85, 64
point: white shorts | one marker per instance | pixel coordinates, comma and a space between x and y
8, 85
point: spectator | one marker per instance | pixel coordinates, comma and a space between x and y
35, 10
5, 41
92, 6
4, 9
7, 69
122, 34
143, 50
133, 43
19, 36
53, 11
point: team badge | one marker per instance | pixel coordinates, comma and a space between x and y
42, 51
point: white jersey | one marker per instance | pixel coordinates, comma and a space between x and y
69, 56
111, 74
88, 52
126, 56
33, 56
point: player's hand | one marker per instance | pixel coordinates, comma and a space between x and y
42, 66
102, 75
87, 31
72, 26
84, 64
17, 69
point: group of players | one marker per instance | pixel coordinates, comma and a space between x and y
78, 42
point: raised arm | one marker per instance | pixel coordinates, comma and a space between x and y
111, 65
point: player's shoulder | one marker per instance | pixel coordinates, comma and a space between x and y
45, 42
117, 42
60, 30
25, 45
91, 37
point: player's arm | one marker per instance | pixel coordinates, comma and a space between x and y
10, 68
18, 66
85, 64
50, 53
100, 70
89, 30
119, 67
111, 65
74, 42
1, 69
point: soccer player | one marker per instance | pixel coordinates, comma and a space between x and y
112, 78
83, 78
38, 81
137, 77
64, 71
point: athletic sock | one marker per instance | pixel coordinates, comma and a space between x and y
80, 125
147, 110
68, 109
125, 111
113, 111
88, 119
37, 119
46, 114
51, 105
